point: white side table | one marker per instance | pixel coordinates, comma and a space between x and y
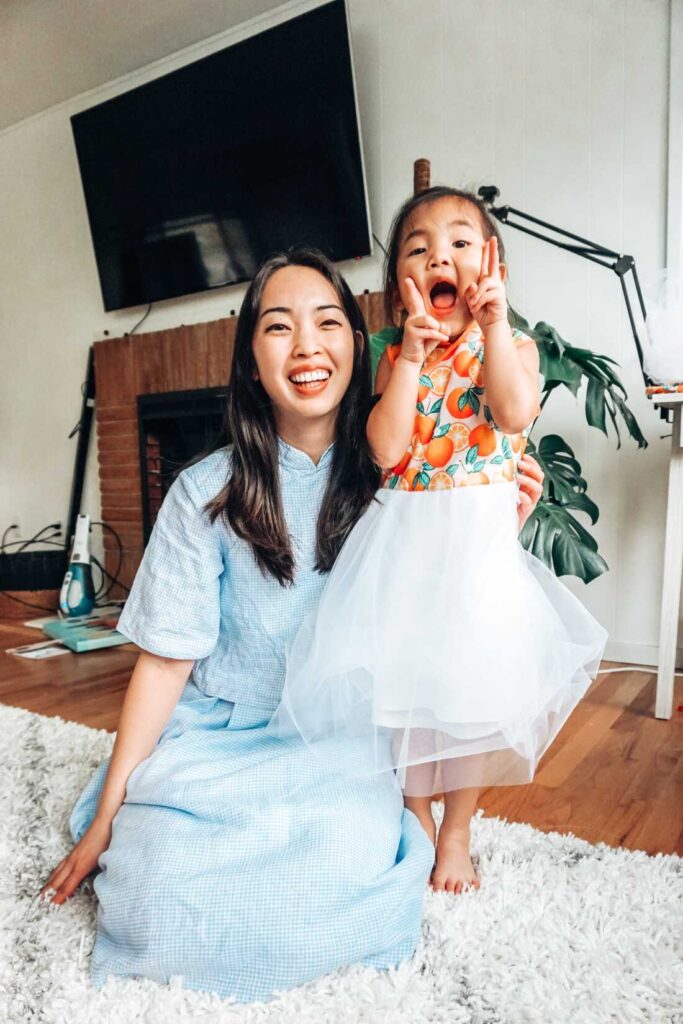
673, 561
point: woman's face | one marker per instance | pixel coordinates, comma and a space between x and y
303, 346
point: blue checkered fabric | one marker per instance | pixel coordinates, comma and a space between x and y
199, 594
238, 861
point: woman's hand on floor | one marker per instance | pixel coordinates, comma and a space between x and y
530, 479
71, 871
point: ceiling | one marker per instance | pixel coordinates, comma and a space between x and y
53, 50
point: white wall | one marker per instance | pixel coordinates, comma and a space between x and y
563, 106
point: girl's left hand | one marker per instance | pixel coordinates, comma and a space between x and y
530, 480
486, 299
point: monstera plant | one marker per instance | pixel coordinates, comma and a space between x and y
552, 532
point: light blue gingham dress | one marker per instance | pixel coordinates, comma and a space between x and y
237, 861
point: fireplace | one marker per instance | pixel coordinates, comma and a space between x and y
175, 428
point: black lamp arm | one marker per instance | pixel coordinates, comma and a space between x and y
622, 265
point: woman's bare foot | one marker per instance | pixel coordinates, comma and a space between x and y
453, 871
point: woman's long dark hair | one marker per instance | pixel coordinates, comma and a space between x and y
403, 214
251, 501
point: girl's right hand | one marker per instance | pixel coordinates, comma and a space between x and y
71, 871
421, 332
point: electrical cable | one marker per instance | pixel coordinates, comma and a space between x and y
26, 604
127, 334
37, 539
84, 385
109, 576
103, 588
379, 243
649, 670
99, 589
115, 578
42, 540
14, 526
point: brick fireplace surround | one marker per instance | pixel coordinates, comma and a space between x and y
179, 359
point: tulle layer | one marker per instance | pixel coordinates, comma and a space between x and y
440, 648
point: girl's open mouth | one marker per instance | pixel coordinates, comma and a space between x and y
310, 383
443, 296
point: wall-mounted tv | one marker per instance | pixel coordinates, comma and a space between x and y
192, 179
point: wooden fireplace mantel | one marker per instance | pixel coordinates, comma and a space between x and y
178, 359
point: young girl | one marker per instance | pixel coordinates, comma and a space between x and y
440, 648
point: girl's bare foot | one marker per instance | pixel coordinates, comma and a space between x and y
453, 871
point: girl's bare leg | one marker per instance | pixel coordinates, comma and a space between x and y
421, 778
454, 870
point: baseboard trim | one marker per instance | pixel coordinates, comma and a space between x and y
637, 654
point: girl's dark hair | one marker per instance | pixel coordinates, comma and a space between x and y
251, 501
430, 195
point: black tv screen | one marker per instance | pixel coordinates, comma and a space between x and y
192, 179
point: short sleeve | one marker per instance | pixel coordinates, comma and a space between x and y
173, 609
392, 353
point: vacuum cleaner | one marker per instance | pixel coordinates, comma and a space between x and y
77, 596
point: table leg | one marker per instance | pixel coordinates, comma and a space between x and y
673, 569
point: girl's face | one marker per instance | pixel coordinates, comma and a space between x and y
441, 249
303, 346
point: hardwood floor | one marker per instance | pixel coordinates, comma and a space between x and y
614, 774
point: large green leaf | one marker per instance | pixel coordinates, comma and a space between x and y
563, 483
605, 394
566, 365
552, 532
553, 535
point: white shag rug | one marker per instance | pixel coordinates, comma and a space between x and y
561, 931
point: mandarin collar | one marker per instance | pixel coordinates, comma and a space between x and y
294, 458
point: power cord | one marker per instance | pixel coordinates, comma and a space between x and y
379, 243
134, 329
634, 668
115, 578
37, 538
104, 587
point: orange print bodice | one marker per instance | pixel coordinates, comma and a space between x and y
455, 442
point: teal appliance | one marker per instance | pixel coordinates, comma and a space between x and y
77, 596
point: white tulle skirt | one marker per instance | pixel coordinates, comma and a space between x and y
440, 648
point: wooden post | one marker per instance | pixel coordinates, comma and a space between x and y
421, 175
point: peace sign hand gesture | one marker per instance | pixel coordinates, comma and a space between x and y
421, 332
486, 299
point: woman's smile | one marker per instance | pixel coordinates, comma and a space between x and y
308, 380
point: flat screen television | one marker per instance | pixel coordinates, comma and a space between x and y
192, 179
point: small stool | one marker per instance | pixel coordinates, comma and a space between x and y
670, 396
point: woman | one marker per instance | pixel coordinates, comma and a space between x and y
214, 865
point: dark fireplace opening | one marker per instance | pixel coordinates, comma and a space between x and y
175, 428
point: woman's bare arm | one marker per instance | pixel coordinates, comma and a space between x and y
153, 692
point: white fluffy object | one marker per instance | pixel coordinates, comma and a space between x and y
560, 931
